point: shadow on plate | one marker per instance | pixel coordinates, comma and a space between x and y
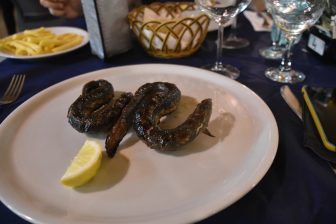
118, 166
220, 127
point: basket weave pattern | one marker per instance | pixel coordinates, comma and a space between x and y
173, 38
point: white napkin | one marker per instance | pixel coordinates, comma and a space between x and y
257, 20
109, 35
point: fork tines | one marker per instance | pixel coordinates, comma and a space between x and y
15, 87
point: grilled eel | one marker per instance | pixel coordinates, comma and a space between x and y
152, 101
94, 110
124, 123
160, 103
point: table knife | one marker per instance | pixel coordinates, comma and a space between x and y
291, 100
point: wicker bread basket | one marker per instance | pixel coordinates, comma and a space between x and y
175, 36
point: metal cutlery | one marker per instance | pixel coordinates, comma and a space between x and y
291, 100
13, 90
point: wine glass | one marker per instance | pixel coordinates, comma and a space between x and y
276, 50
292, 17
221, 11
233, 41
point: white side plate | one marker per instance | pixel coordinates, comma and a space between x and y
57, 30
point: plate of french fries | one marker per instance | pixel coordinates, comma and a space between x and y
43, 42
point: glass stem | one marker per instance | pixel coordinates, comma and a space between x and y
219, 45
286, 64
276, 39
233, 32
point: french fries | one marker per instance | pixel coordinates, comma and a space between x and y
38, 41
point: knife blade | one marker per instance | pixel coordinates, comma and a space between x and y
291, 100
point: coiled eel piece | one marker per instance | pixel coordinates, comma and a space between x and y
94, 110
150, 102
124, 123
162, 101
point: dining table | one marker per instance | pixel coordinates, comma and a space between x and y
299, 186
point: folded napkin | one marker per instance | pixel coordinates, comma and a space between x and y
312, 140
107, 26
257, 20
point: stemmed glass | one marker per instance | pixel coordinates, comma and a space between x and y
222, 11
292, 17
233, 41
275, 51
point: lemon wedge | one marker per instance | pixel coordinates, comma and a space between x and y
84, 166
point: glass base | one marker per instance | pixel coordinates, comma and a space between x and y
290, 76
226, 70
271, 53
233, 42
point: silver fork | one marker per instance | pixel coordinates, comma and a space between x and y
13, 90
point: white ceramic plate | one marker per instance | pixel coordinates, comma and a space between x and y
139, 185
56, 30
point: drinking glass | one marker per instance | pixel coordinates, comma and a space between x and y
276, 50
292, 17
233, 41
221, 11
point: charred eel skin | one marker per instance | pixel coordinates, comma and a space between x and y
94, 110
124, 123
163, 100
150, 102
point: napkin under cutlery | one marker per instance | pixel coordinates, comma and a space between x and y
311, 138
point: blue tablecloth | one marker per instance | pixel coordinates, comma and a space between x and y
298, 188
